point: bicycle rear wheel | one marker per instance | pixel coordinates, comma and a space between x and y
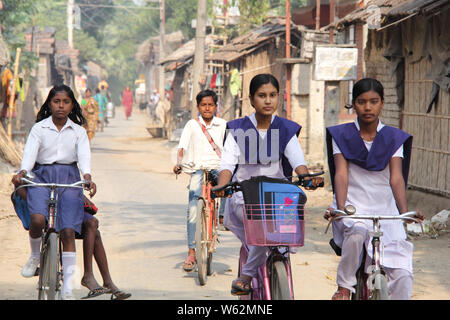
201, 243
279, 282
49, 270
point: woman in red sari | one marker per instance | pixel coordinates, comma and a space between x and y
127, 101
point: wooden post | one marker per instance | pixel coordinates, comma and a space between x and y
288, 56
317, 14
332, 21
13, 91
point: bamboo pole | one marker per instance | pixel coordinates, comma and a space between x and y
13, 91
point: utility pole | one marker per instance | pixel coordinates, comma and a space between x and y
288, 56
70, 5
162, 30
199, 57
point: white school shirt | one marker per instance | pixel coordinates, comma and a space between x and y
197, 147
371, 194
230, 159
46, 145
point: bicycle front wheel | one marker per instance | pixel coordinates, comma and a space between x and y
201, 243
279, 284
380, 289
48, 275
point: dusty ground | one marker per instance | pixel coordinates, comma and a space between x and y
142, 220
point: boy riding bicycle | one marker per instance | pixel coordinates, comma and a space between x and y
202, 140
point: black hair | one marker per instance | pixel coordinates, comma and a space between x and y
97, 90
75, 115
365, 85
262, 79
206, 93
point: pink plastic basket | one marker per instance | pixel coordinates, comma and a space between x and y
274, 224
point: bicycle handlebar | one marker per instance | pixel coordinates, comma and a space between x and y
405, 216
235, 186
31, 183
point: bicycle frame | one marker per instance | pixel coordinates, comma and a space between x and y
50, 228
375, 268
210, 212
261, 286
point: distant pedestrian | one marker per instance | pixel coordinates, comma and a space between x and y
91, 111
127, 101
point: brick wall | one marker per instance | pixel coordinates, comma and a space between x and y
378, 67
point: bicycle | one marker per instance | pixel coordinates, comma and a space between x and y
276, 226
206, 231
373, 284
49, 271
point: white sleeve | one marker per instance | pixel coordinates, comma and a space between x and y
230, 154
185, 136
294, 153
31, 150
84, 153
336, 149
399, 152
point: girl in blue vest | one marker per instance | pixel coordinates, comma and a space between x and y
369, 164
57, 149
275, 152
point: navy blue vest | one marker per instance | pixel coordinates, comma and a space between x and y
386, 143
286, 129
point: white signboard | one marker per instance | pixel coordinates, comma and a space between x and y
335, 63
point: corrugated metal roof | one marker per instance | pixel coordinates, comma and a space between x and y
386, 8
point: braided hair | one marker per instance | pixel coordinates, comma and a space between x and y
75, 115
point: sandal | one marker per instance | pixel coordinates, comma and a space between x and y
95, 293
240, 287
341, 294
189, 263
120, 295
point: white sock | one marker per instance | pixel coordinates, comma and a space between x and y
35, 245
68, 265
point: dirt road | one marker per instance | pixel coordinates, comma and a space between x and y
142, 219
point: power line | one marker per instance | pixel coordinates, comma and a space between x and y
116, 6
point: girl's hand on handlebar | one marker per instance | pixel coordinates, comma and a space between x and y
16, 178
177, 169
316, 182
329, 213
90, 185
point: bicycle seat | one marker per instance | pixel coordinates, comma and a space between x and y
335, 247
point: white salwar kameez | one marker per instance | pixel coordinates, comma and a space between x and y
371, 194
235, 205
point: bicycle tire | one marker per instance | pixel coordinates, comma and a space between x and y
279, 282
209, 264
201, 246
48, 275
380, 291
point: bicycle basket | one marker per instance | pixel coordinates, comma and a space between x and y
274, 225
273, 212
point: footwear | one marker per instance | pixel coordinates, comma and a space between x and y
29, 269
67, 296
341, 294
95, 293
240, 287
189, 263
120, 295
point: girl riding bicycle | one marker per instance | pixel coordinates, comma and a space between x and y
54, 147
242, 159
369, 164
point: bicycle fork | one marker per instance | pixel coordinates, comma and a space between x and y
375, 271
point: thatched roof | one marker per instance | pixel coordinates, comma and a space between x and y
185, 53
149, 47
